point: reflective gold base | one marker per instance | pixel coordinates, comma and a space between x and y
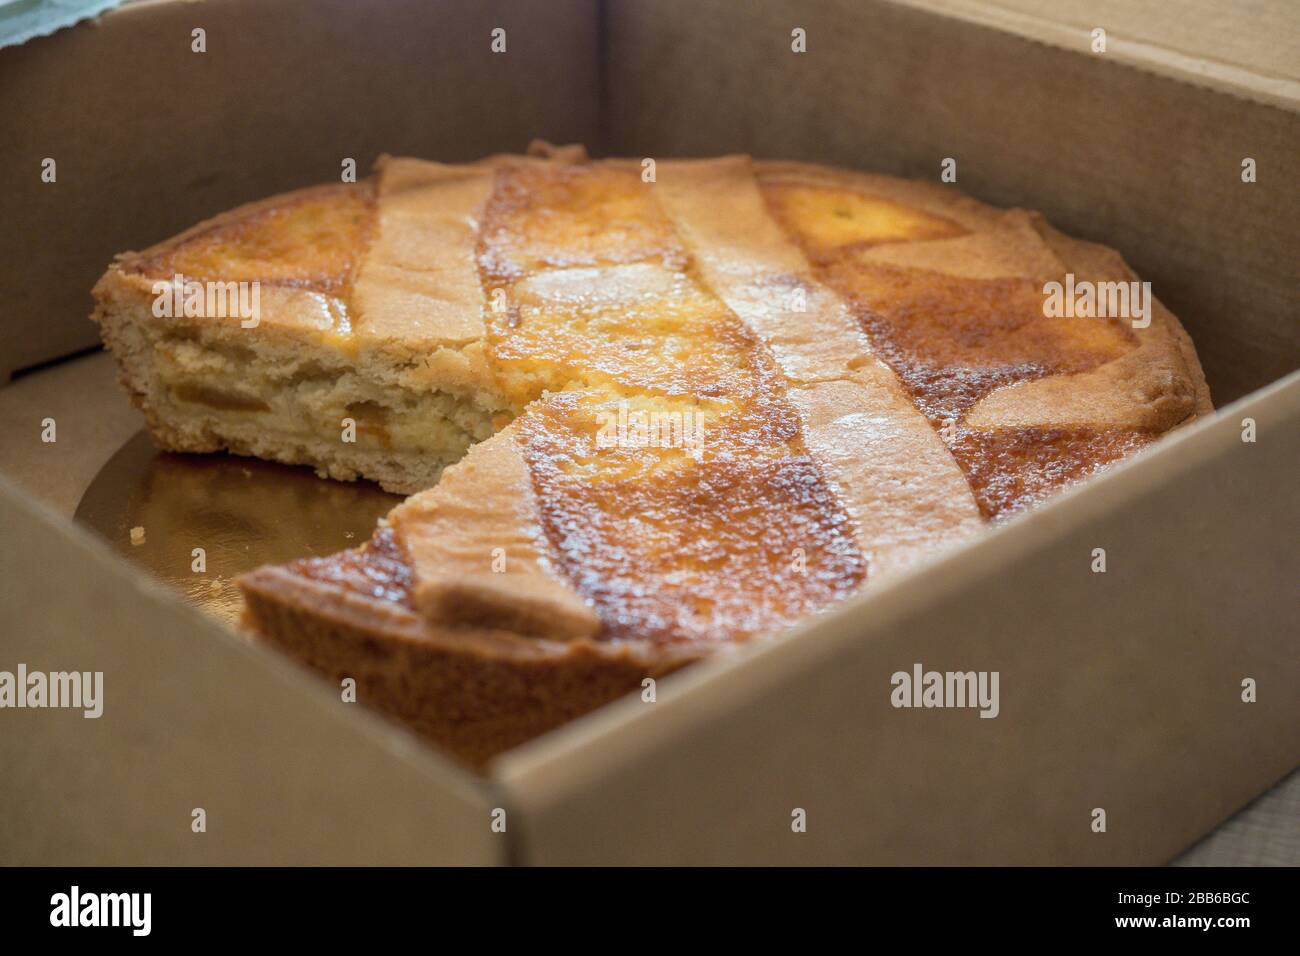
241, 512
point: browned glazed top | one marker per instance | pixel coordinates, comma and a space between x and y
605, 311
594, 307
953, 339
312, 239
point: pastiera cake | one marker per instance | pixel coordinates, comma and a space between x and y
686, 409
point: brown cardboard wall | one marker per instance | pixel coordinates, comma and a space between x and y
150, 137
1142, 162
1249, 45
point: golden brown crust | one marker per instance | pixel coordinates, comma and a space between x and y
476, 692
940, 201
472, 690
346, 206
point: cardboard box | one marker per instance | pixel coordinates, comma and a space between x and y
1120, 691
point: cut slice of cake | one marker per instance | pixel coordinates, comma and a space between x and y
394, 397
721, 400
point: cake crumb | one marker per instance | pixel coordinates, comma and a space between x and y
137, 535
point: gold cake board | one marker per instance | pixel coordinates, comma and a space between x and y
199, 521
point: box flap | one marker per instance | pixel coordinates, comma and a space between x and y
193, 717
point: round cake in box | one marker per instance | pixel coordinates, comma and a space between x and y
646, 412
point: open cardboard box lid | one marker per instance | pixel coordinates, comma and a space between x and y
1119, 691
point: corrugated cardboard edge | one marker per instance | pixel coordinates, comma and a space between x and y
286, 772
1032, 800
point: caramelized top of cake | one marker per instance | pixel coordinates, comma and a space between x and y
953, 337
602, 316
741, 390
831, 222
312, 239
378, 570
